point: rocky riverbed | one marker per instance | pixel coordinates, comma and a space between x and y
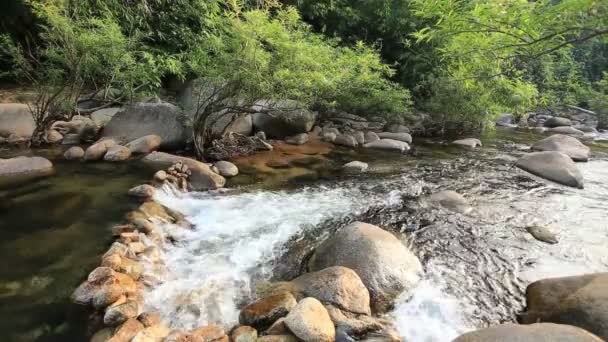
475, 252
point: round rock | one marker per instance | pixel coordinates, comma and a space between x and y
554, 166
567, 145
309, 321
355, 167
226, 169
74, 153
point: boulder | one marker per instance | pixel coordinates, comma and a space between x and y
16, 120
25, 166
580, 301
162, 119
451, 200
384, 264
309, 321
371, 137
557, 122
155, 333
226, 168
244, 334
554, 166
149, 318
142, 191
127, 331
71, 139
103, 116
222, 123
145, 144
298, 139
262, 313
117, 153
278, 338
355, 167
211, 333
345, 140
397, 128
53, 137
541, 332
567, 145
282, 119
405, 137
278, 327
328, 137
542, 234
336, 285
103, 287
566, 130
359, 137
388, 145
98, 150
74, 153
468, 142
180, 336
83, 128
202, 178
103, 335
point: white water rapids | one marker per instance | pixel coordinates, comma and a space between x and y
214, 268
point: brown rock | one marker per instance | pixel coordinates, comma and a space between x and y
74, 153
53, 137
277, 338
127, 331
211, 333
24, 166
244, 334
262, 313
103, 335
142, 191
118, 314
98, 150
155, 333
278, 328
202, 178
309, 321
149, 318
145, 144
542, 332
117, 153
180, 336
337, 285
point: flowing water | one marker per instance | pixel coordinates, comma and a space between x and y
477, 265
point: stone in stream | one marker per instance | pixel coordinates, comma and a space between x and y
149, 318
405, 137
117, 153
542, 234
345, 140
569, 146
142, 191
278, 327
337, 285
384, 264
226, 169
155, 333
371, 137
201, 178
127, 330
355, 167
103, 287
244, 334
328, 136
98, 149
74, 153
451, 200
359, 137
211, 333
540, 332
145, 144
566, 130
554, 166
53, 137
16, 121
389, 145
468, 142
309, 321
264, 312
397, 128
103, 335
298, 139
25, 166
278, 338
557, 122
580, 301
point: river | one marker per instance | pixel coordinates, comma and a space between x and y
477, 265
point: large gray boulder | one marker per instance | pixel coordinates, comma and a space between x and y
202, 177
542, 332
384, 264
103, 116
566, 130
554, 166
557, 122
16, 121
25, 166
405, 137
283, 119
468, 142
345, 140
580, 301
141, 119
388, 145
223, 123
567, 145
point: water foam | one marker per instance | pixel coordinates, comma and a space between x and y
211, 269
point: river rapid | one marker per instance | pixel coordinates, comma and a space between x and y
476, 265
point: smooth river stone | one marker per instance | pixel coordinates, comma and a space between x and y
554, 166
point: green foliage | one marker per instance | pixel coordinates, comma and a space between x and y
599, 100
